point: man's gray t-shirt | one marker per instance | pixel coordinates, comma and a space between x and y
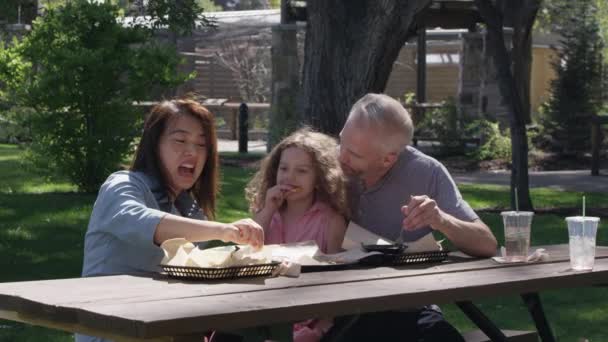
378, 209
120, 235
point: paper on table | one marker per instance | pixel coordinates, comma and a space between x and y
426, 243
303, 253
357, 235
181, 252
307, 253
540, 254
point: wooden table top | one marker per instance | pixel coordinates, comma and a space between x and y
156, 307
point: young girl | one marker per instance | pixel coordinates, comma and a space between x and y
299, 192
299, 195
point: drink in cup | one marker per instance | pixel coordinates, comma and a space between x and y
517, 234
582, 231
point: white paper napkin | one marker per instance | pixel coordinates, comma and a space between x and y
288, 269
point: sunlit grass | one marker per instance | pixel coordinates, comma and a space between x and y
17, 176
232, 205
497, 196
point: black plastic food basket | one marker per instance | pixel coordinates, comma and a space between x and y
391, 259
419, 257
213, 273
382, 260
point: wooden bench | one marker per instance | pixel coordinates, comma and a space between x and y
512, 336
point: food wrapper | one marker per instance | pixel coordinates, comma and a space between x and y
181, 252
357, 236
540, 254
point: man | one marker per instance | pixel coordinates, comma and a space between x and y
400, 193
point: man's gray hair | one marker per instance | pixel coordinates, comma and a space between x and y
387, 115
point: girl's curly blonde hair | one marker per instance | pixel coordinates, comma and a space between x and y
330, 181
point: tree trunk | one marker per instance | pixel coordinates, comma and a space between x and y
350, 49
493, 18
521, 14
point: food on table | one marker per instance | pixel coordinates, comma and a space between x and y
181, 252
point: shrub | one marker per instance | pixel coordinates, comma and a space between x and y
80, 70
494, 144
14, 127
445, 124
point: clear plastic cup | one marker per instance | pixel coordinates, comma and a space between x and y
582, 232
517, 234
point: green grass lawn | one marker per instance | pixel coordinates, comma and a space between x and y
42, 225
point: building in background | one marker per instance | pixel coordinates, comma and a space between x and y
457, 64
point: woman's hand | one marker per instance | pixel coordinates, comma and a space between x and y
245, 231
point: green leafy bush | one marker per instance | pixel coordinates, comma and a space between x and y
80, 69
494, 144
14, 127
446, 125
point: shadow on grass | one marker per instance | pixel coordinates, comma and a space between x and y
17, 177
41, 235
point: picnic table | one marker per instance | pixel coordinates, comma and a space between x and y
157, 308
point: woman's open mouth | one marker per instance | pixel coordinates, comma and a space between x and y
186, 170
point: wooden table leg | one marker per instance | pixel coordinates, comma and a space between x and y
535, 308
482, 321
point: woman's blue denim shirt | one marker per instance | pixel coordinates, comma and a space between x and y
120, 235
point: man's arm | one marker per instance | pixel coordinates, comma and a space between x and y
474, 238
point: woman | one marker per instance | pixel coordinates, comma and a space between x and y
169, 192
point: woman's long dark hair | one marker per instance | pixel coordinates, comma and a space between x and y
147, 158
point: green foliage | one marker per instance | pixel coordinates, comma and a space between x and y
494, 144
445, 124
564, 119
13, 118
602, 15
80, 69
14, 125
409, 98
179, 16
552, 15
